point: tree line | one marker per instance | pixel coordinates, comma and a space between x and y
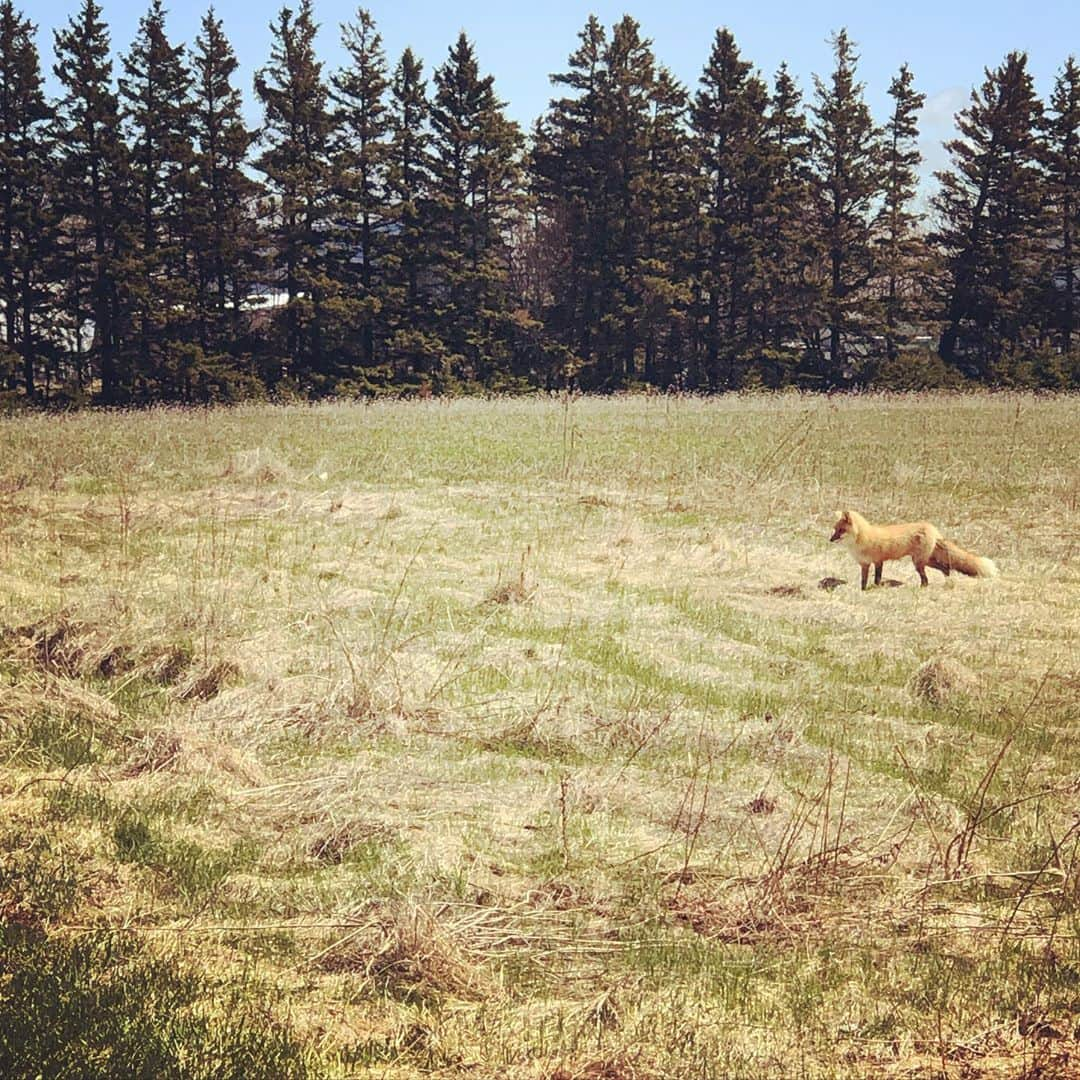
390, 230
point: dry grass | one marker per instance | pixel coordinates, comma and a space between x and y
551, 738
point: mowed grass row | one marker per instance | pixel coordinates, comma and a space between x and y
516, 738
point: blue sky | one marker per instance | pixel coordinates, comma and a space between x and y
947, 42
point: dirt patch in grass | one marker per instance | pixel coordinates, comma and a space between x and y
78, 649
786, 590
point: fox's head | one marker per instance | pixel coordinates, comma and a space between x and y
842, 528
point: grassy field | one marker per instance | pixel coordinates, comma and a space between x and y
518, 739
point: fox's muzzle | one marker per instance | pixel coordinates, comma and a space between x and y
837, 534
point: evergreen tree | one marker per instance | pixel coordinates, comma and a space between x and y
154, 92
614, 180
790, 298
91, 181
475, 174
631, 79
27, 224
990, 221
729, 119
297, 165
1063, 179
901, 248
846, 157
224, 229
363, 150
413, 349
569, 168
670, 195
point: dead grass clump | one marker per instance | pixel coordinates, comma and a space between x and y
67, 648
168, 664
761, 804
558, 895
511, 592
153, 753
619, 1066
942, 680
259, 466
74, 649
207, 681
412, 951
810, 898
332, 848
528, 736
56, 695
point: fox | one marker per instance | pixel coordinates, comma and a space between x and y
872, 545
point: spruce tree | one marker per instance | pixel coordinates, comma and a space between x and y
158, 270
790, 298
225, 235
614, 182
27, 221
631, 79
363, 150
990, 226
670, 194
1063, 184
847, 175
475, 195
91, 185
729, 120
900, 242
569, 165
413, 350
297, 165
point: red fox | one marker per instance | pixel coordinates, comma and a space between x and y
874, 544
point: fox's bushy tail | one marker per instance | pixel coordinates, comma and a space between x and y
948, 556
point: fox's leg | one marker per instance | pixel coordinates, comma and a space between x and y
921, 567
877, 572
865, 567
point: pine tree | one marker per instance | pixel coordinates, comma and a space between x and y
901, 248
1063, 181
412, 348
363, 149
475, 165
91, 184
846, 157
729, 120
224, 231
298, 170
991, 222
158, 270
27, 222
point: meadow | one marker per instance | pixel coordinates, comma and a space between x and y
519, 738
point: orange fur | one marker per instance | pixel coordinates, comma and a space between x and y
874, 545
